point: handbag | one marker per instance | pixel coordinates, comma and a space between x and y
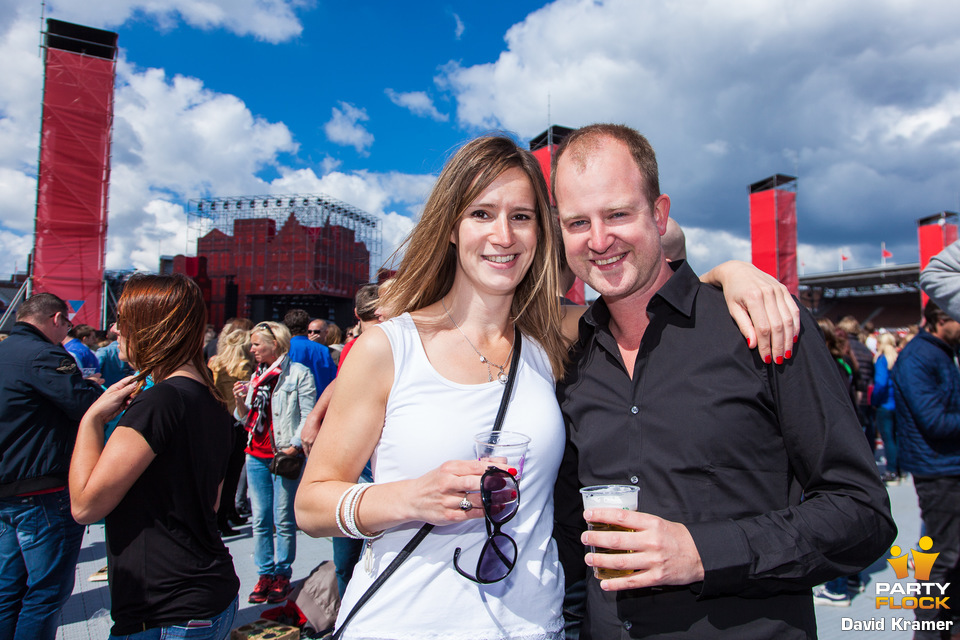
425, 529
284, 464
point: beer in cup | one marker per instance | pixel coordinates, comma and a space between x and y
610, 496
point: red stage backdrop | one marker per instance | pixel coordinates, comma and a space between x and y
934, 233
71, 223
773, 228
543, 147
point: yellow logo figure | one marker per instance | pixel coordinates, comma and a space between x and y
922, 562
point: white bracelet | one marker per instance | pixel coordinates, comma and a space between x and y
352, 516
344, 497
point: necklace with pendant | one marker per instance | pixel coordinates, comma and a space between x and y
502, 376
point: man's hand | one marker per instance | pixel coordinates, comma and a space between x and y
663, 553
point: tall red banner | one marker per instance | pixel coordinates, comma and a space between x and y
773, 229
543, 147
934, 233
71, 223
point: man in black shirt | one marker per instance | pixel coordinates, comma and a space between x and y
756, 483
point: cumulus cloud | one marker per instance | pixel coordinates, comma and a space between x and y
344, 128
418, 103
268, 20
871, 115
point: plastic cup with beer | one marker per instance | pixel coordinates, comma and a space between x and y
610, 496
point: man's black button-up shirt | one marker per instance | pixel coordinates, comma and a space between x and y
766, 465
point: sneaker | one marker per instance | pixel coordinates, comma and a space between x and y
279, 590
856, 585
262, 590
99, 576
821, 595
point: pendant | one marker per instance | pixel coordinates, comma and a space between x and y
503, 377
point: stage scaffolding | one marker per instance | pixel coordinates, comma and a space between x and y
283, 245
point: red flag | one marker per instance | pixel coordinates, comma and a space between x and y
843, 257
886, 254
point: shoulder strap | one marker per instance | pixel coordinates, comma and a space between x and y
426, 528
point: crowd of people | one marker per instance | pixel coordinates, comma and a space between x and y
750, 436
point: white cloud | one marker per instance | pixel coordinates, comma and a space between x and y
459, 28
871, 114
268, 20
344, 128
418, 103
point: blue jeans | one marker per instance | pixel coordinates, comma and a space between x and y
39, 545
215, 628
271, 501
886, 420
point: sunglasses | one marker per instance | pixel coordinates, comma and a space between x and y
500, 495
265, 327
316, 331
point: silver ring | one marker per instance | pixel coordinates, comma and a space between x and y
465, 504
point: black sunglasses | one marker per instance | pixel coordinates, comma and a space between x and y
264, 325
315, 331
500, 495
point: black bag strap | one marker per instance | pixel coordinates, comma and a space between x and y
427, 528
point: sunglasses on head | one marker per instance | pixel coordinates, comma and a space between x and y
500, 495
266, 327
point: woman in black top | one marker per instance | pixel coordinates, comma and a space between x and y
157, 481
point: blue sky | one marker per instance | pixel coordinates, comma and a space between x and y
364, 101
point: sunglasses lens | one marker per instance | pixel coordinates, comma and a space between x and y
497, 558
500, 496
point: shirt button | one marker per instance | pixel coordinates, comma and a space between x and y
634, 479
627, 625
634, 409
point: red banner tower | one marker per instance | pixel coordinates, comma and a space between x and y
71, 221
773, 228
543, 147
934, 233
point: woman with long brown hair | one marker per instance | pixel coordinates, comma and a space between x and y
157, 480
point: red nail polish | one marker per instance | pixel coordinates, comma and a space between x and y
796, 337
767, 359
512, 471
513, 494
788, 354
779, 359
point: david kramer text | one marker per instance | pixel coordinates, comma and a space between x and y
896, 624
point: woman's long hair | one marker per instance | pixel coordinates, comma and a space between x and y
430, 260
233, 354
163, 320
887, 346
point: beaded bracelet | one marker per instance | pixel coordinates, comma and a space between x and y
352, 516
344, 498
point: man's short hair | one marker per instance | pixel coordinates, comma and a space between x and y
81, 331
297, 320
933, 314
41, 306
587, 139
366, 301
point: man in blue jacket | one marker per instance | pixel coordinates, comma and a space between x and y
313, 355
926, 384
42, 398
